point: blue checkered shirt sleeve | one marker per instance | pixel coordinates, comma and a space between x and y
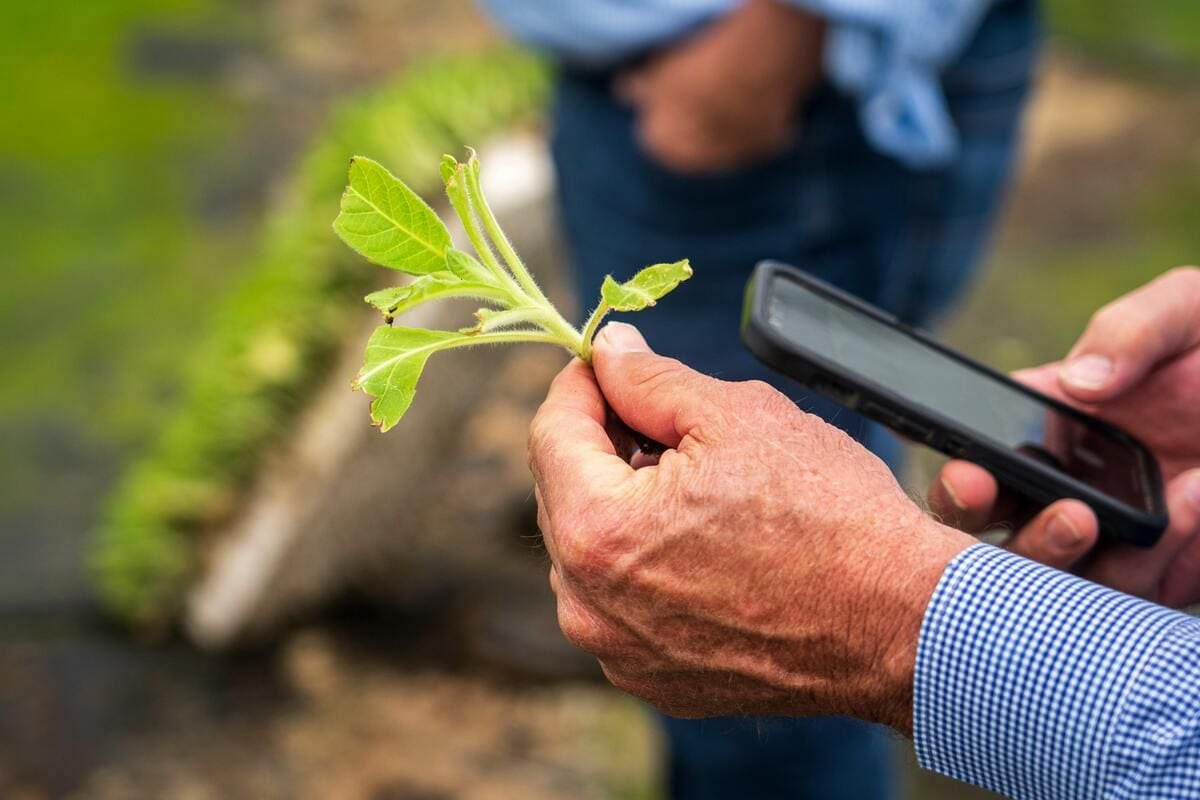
1037, 684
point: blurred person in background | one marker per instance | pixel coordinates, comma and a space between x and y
867, 141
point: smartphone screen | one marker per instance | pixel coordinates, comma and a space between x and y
904, 365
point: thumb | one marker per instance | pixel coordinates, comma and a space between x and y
1130, 336
654, 395
1044, 379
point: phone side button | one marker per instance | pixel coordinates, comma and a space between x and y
915, 431
882, 415
905, 427
954, 445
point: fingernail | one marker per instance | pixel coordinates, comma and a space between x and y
1088, 372
1062, 532
620, 337
959, 504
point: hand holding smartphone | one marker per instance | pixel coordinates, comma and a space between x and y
866, 360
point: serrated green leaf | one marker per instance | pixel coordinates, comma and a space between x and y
392, 364
388, 223
645, 288
435, 286
467, 267
396, 357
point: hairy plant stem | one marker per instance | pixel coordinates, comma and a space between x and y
535, 315
520, 288
462, 205
480, 205
508, 337
589, 330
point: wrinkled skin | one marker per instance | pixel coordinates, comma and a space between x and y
766, 564
730, 95
1137, 365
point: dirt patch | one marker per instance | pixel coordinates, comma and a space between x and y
1092, 138
348, 726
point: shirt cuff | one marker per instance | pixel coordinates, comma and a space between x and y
1022, 672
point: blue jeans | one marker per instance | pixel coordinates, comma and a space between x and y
905, 240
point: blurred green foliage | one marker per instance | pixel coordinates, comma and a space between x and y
108, 272
94, 193
272, 338
1152, 33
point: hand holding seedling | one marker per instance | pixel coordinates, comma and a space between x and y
1137, 365
387, 223
766, 564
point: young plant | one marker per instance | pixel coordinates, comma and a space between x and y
387, 223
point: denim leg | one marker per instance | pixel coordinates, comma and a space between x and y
825, 758
904, 240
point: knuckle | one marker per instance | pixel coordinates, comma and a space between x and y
622, 679
580, 631
591, 555
576, 631
660, 374
736, 406
567, 533
538, 436
1103, 318
764, 399
595, 533
1138, 334
1126, 324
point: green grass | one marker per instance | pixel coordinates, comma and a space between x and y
1153, 33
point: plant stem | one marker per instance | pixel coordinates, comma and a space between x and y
456, 190
503, 245
509, 337
589, 330
536, 315
565, 331
480, 204
467, 198
463, 192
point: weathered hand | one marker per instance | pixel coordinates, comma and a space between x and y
1138, 366
730, 95
767, 564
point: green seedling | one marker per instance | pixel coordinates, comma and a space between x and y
387, 223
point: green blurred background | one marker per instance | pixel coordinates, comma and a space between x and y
125, 198
145, 143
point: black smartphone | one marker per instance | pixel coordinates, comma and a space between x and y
866, 360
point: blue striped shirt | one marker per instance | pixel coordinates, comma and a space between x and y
886, 53
1037, 684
